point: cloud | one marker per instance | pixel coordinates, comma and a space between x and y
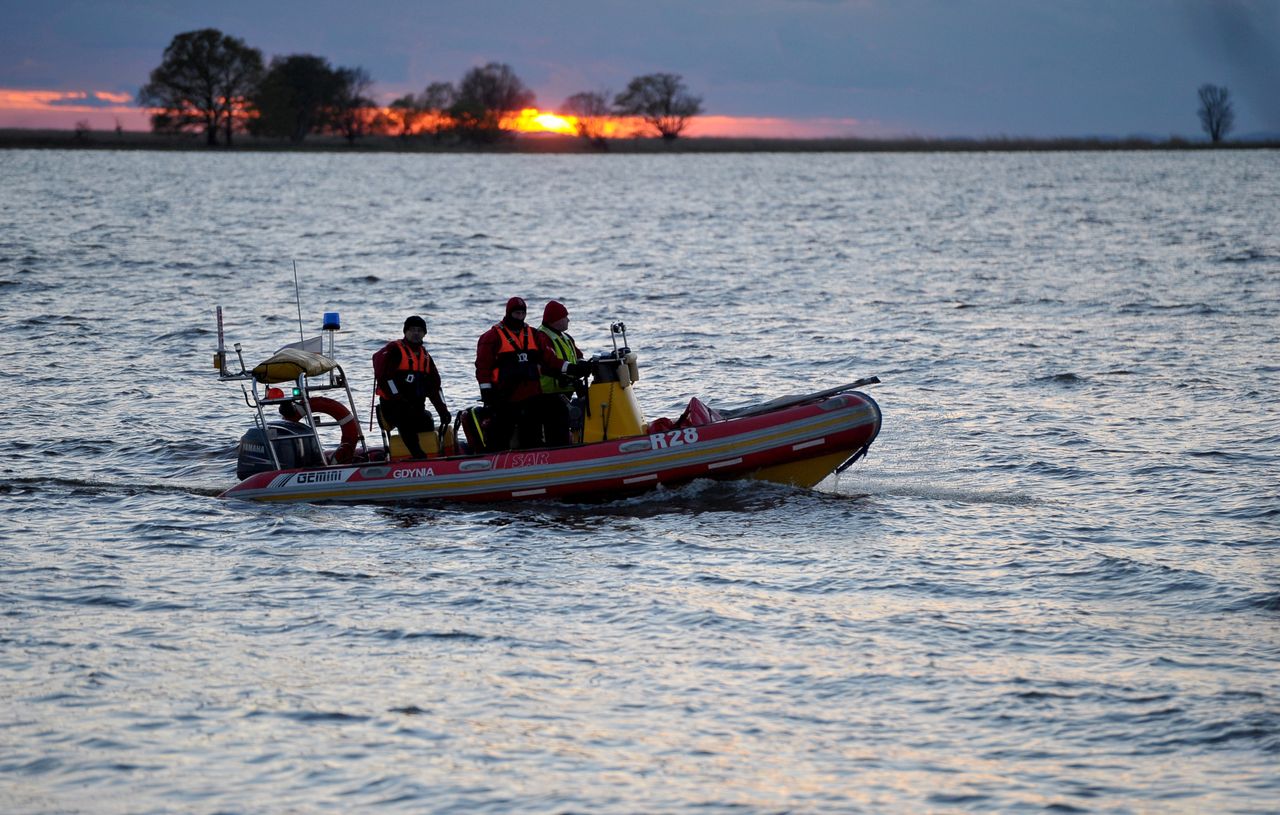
91, 99
60, 109
13, 98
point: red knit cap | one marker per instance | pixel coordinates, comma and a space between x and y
554, 312
515, 303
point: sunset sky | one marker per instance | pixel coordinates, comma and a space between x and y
976, 68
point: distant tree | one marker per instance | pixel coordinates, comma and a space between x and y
414, 113
201, 84
590, 110
405, 115
240, 76
662, 101
435, 102
483, 97
438, 96
1216, 116
353, 110
297, 96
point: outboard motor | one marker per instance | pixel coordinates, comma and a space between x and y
295, 445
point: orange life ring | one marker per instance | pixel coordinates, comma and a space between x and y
350, 427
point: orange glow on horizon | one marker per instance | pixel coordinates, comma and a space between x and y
774, 127
60, 109
533, 120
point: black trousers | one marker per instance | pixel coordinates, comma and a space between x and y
410, 418
533, 422
554, 417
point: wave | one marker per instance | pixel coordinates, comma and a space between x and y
1184, 308
1261, 601
59, 321
1067, 378
1247, 255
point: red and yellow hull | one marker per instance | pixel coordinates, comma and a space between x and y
798, 445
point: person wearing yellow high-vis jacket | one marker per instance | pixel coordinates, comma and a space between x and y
557, 388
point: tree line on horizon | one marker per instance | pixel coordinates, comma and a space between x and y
214, 83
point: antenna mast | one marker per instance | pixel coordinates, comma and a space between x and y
297, 297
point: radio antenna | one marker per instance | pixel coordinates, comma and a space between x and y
297, 297
220, 359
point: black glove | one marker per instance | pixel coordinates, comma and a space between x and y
445, 416
488, 396
577, 370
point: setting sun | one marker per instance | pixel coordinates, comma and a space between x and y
532, 120
556, 123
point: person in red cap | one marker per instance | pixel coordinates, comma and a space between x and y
557, 386
406, 378
509, 365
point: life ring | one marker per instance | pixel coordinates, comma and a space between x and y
350, 427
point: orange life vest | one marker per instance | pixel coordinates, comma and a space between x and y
412, 367
516, 358
419, 363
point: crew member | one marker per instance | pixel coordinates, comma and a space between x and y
557, 419
407, 377
510, 362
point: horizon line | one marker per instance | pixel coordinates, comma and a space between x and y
43, 109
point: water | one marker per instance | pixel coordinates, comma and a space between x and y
1052, 586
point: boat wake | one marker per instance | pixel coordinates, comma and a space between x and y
77, 486
934, 492
698, 497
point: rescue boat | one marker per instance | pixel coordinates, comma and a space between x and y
795, 440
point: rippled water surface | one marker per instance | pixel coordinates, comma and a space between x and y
1052, 586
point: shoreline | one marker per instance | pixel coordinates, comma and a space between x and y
15, 138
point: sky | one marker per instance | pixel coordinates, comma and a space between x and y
870, 68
